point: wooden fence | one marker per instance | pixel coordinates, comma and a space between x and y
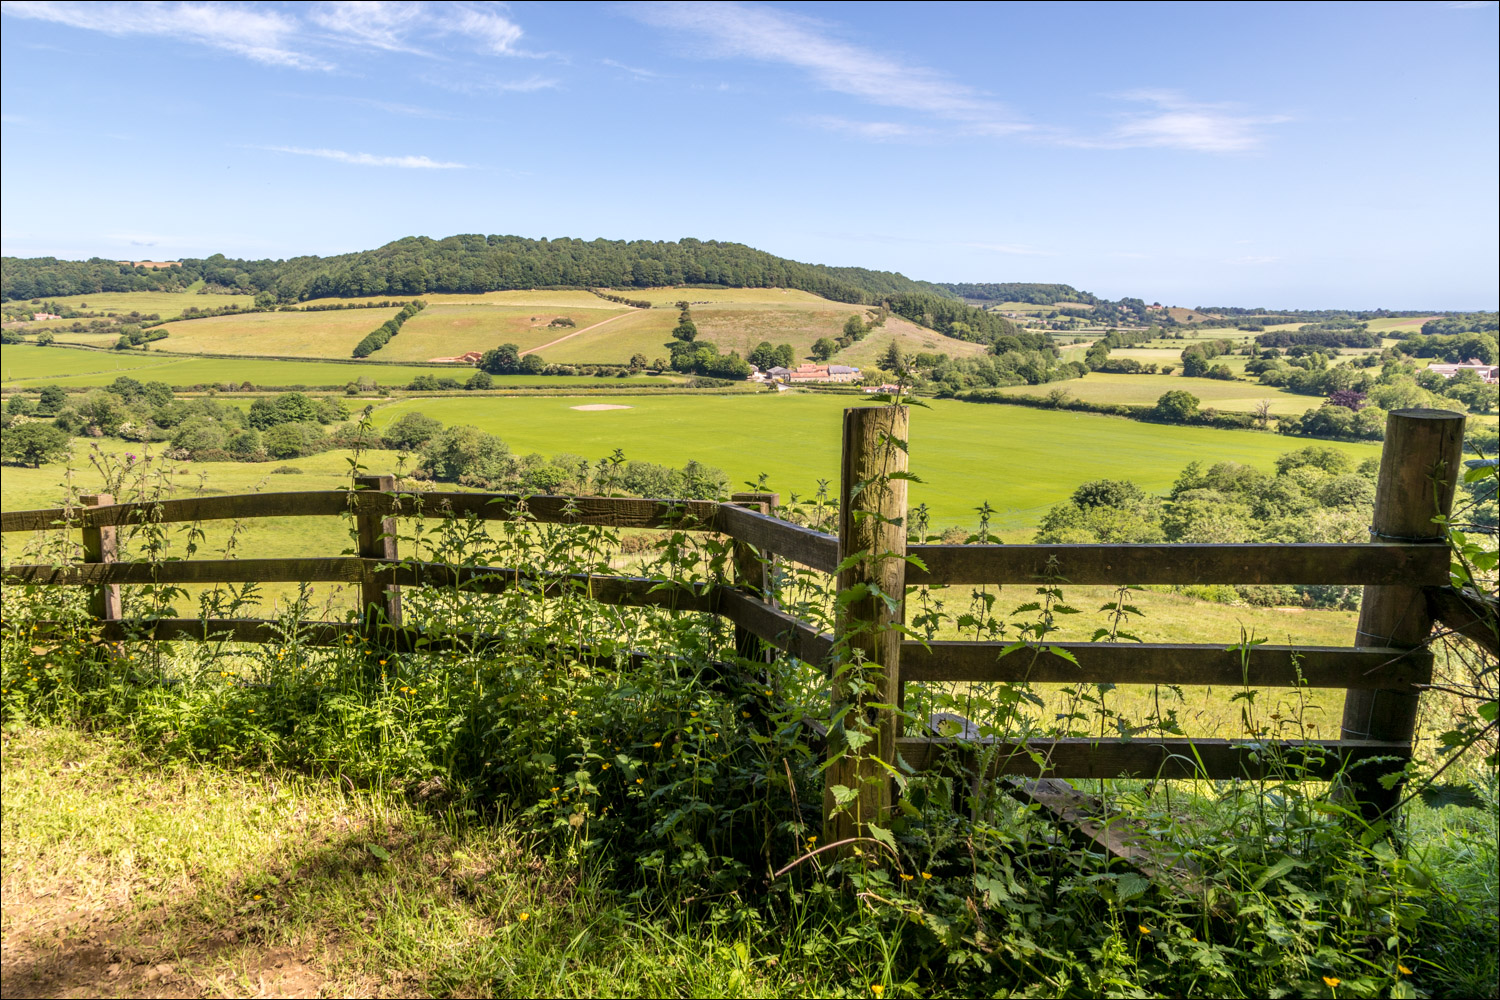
1404, 571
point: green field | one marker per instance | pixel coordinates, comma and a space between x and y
165, 304
1020, 460
1145, 390
23, 365
329, 334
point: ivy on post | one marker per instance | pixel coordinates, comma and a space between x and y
377, 540
101, 545
752, 572
871, 594
1419, 468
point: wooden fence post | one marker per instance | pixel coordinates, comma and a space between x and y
752, 572
872, 528
1419, 467
377, 540
101, 545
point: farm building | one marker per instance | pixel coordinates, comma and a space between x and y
1490, 373
823, 373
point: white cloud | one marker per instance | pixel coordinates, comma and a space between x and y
635, 71
1254, 260
1175, 122
376, 24
369, 159
284, 35
484, 23
265, 36
874, 131
769, 35
479, 85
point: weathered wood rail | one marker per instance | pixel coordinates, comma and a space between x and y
1404, 570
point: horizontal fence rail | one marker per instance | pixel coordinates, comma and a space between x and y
1152, 758
622, 590
617, 512
1376, 564
1169, 663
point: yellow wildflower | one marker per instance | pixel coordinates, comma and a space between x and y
1144, 929
927, 875
1332, 981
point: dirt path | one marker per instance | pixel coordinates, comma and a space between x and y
575, 333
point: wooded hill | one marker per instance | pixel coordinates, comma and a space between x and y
417, 265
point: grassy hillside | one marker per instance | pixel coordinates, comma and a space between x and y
330, 334
1144, 390
445, 330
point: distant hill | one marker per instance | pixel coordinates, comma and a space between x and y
417, 265
1029, 292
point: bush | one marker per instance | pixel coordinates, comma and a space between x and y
291, 440
33, 443
465, 454
411, 430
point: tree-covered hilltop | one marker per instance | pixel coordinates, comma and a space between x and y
1029, 292
417, 265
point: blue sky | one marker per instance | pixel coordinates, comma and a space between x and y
1302, 155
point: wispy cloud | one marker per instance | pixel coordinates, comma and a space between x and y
874, 131
482, 85
635, 71
369, 159
376, 25
1172, 121
1254, 259
302, 37
266, 36
732, 30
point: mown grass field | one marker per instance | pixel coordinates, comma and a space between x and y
450, 330
25, 365
330, 334
165, 304
1020, 460
1145, 390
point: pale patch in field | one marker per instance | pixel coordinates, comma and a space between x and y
601, 406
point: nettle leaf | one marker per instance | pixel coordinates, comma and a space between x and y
856, 739
1438, 796
910, 477
883, 835
1131, 886
1488, 710
1062, 653
843, 794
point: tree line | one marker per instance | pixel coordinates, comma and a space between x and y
470, 263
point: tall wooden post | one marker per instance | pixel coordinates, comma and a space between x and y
872, 550
377, 540
1418, 470
752, 572
101, 545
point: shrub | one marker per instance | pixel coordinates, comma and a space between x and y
33, 443
411, 430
